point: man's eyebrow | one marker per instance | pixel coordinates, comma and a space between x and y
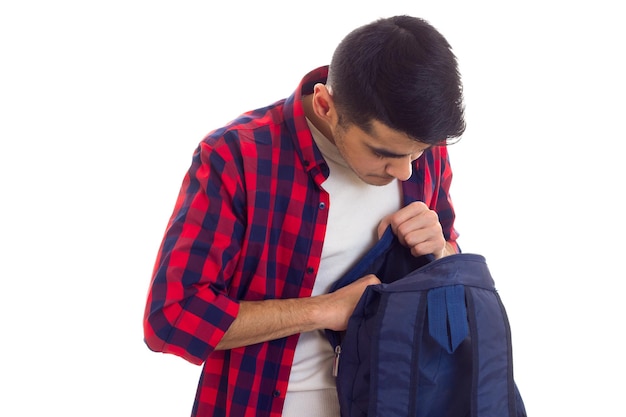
386, 153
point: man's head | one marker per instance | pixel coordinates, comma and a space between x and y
401, 72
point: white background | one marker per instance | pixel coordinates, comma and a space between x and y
103, 103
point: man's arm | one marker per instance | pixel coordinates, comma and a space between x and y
260, 321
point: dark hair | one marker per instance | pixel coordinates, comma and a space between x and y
401, 72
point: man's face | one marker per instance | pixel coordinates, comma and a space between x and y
380, 156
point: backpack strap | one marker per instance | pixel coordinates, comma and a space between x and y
447, 316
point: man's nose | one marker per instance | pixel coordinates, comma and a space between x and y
400, 168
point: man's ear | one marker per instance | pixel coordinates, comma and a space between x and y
323, 104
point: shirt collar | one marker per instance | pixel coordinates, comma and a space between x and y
296, 121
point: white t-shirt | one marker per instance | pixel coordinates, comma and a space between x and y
355, 210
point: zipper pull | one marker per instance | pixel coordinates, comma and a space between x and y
336, 361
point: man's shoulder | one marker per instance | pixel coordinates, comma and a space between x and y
258, 126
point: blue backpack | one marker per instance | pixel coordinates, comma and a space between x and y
433, 340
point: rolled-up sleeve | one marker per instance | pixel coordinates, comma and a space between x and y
188, 309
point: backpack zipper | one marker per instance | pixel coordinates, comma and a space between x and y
336, 361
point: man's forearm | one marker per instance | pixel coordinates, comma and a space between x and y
260, 321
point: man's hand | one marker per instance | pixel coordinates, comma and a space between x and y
418, 228
340, 304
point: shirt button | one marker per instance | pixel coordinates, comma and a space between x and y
322, 205
276, 394
310, 270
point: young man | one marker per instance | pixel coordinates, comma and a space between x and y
282, 201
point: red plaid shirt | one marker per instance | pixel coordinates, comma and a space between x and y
249, 224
